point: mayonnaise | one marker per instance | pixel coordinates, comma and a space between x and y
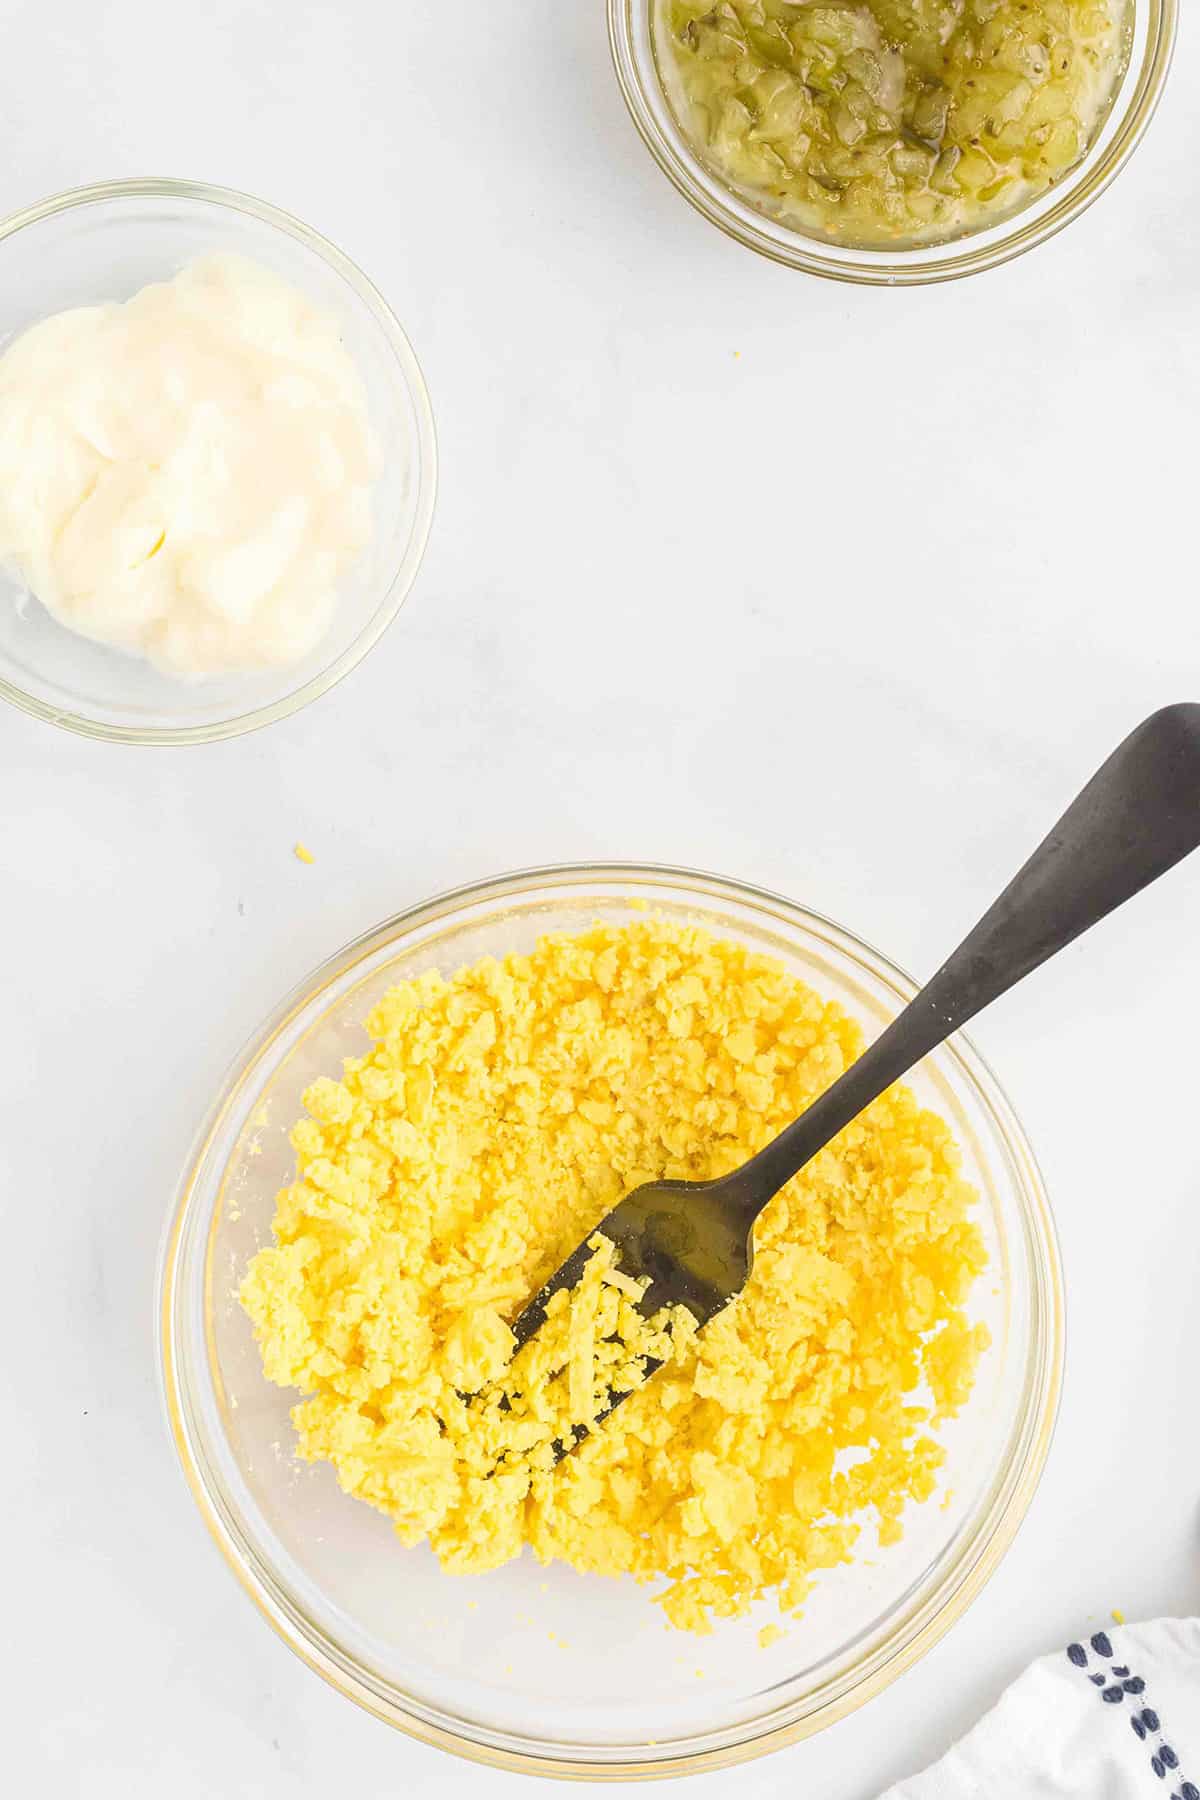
187, 475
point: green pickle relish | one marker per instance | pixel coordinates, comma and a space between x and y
891, 122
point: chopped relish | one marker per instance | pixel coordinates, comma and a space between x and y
880, 122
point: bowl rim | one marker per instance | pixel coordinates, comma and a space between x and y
1134, 106
401, 581
988, 1544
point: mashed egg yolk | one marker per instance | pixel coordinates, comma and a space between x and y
497, 1117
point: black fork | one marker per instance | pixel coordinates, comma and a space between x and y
1138, 816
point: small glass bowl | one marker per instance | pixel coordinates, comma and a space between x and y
470, 1665
630, 30
103, 243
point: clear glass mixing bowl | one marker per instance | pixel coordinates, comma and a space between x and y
630, 27
468, 1663
103, 243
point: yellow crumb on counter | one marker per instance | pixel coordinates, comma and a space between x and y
1118, 1616
302, 853
499, 1115
769, 1634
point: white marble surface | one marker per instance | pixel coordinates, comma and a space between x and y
637, 634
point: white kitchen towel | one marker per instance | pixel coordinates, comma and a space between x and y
1114, 1716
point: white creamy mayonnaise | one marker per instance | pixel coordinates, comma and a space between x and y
188, 474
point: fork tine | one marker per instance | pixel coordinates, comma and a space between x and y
567, 1275
651, 1367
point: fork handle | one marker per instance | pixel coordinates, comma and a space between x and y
1137, 817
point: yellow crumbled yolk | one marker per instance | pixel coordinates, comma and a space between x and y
302, 853
499, 1115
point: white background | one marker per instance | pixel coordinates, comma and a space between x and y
850, 615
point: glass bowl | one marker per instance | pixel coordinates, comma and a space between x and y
630, 29
468, 1663
103, 243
